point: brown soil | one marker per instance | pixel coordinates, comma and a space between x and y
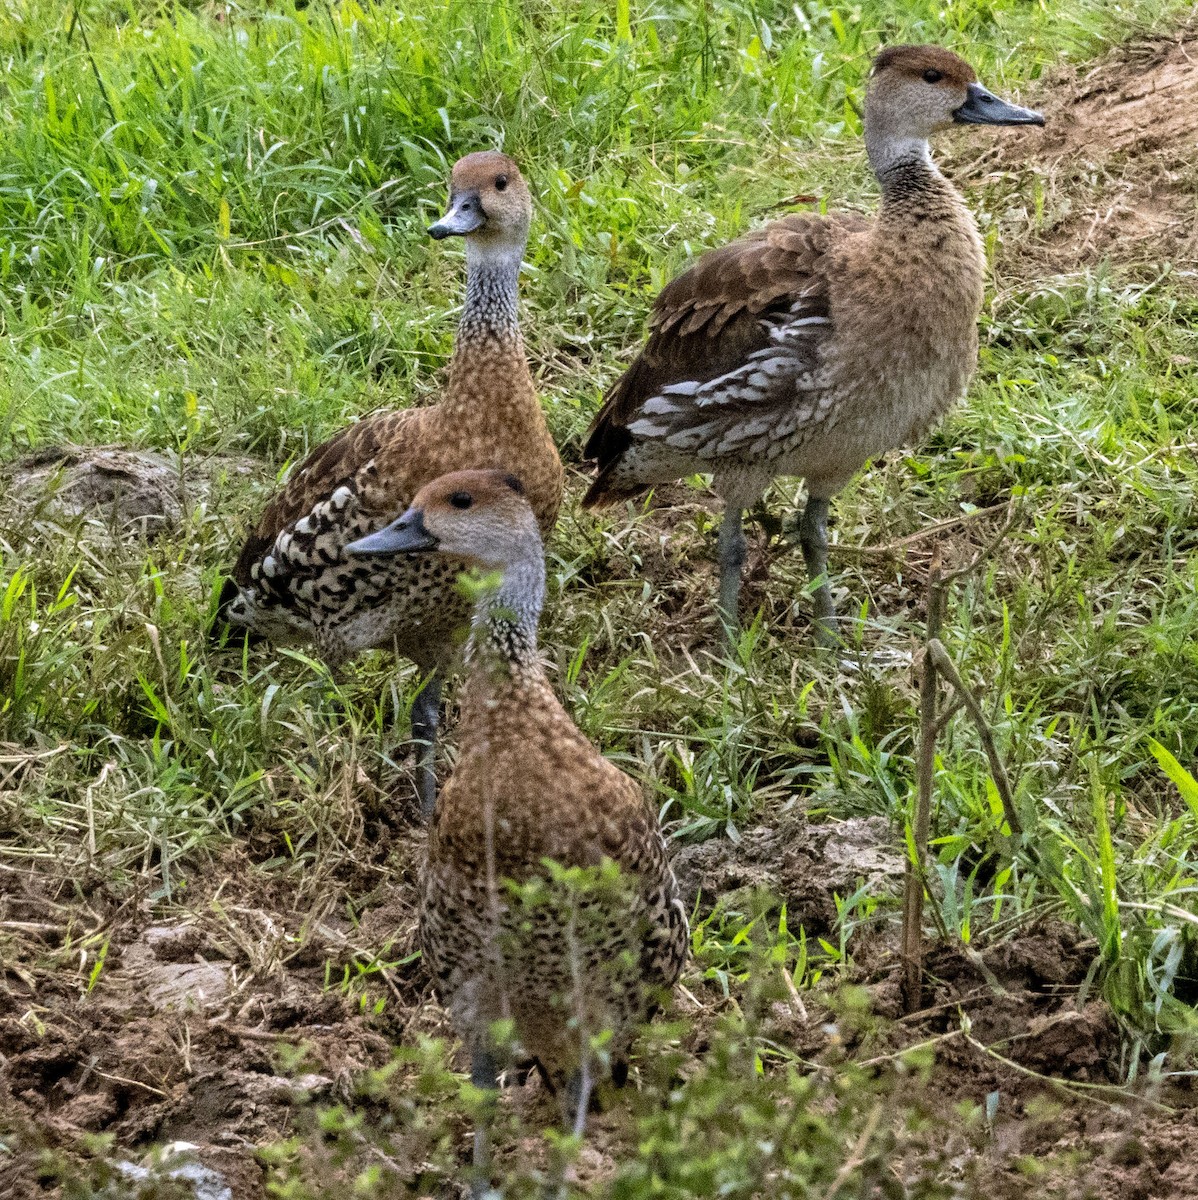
207, 1028
212, 1025
1116, 163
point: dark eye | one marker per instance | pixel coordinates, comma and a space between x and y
500, 182
461, 499
932, 76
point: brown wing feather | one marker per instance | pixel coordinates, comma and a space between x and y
708, 320
326, 468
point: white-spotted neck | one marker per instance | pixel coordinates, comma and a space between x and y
492, 290
503, 636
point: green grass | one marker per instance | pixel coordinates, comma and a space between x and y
212, 246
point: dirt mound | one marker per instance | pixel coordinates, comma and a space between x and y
1117, 160
133, 492
807, 865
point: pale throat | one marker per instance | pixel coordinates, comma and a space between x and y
888, 151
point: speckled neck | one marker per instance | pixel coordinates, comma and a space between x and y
492, 290
503, 637
909, 179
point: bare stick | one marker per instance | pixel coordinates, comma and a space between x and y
913, 883
947, 668
859, 1153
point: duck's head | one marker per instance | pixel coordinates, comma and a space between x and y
916, 90
481, 516
489, 202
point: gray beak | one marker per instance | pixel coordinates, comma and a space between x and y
402, 536
985, 108
465, 216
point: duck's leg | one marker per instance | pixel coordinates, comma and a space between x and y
484, 1074
813, 537
575, 1099
426, 717
732, 551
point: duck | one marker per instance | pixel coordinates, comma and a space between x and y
817, 342
293, 582
529, 788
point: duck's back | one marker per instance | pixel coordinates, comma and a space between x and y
803, 348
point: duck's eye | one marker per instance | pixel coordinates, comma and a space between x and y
461, 499
931, 75
500, 183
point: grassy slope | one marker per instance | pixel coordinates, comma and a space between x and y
219, 252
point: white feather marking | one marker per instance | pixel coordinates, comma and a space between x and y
688, 387
658, 405
647, 429
269, 566
754, 428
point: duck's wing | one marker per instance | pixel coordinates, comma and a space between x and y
728, 340
357, 480
630, 835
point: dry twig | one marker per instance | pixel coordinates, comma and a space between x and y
913, 883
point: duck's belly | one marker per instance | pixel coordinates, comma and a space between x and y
548, 962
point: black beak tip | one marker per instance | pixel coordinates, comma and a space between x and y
438, 232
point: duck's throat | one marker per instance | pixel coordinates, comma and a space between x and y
492, 289
904, 168
503, 637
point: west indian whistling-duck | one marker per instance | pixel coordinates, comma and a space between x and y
293, 581
817, 342
527, 787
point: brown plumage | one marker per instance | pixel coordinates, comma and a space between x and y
529, 786
293, 581
817, 342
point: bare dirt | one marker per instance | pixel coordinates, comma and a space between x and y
207, 1028
214, 1026
1115, 166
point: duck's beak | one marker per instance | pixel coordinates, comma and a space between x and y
403, 536
983, 107
465, 216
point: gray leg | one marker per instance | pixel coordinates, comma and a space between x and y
426, 716
732, 560
813, 537
484, 1074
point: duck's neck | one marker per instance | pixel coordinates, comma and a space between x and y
909, 179
491, 312
503, 636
